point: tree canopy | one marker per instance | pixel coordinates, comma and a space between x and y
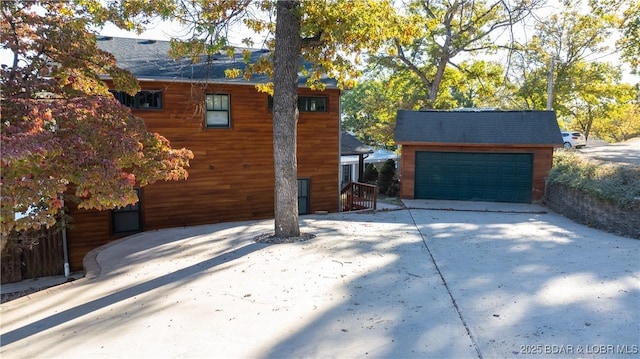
499, 55
446, 30
64, 137
585, 91
319, 38
630, 41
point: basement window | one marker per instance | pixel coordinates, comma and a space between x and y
127, 219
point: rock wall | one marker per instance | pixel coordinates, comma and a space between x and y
594, 212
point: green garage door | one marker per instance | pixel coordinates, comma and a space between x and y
470, 176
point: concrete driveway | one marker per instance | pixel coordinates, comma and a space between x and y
439, 280
627, 152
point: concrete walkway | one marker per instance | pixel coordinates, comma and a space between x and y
457, 280
37, 284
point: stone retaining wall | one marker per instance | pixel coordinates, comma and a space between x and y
594, 212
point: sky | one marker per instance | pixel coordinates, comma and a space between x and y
167, 30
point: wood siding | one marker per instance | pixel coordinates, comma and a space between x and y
542, 162
231, 176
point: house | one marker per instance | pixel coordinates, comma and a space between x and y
227, 124
352, 158
351, 164
496, 156
355, 156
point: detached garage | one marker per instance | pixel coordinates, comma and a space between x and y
494, 156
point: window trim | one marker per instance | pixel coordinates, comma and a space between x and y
207, 110
133, 102
307, 196
128, 209
303, 98
348, 169
309, 98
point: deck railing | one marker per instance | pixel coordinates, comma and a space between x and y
357, 196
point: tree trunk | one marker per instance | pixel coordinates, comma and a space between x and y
437, 80
285, 119
590, 118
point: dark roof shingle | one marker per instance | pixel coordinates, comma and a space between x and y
150, 60
478, 127
350, 146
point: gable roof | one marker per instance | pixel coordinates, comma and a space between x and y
150, 60
478, 127
350, 146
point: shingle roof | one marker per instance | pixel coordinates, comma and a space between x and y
149, 59
350, 146
478, 127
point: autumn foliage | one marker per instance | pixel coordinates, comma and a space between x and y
63, 135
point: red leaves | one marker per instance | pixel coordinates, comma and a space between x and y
65, 133
96, 146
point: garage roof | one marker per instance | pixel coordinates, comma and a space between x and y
478, 127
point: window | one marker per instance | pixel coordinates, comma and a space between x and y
312, 104
346, 174
306, 104
127, 219
141, 100
303, 196
217, 107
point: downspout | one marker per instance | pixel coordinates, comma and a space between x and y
339, 151
65, 250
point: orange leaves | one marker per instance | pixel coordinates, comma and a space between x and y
61, 131
128, 178
97, 147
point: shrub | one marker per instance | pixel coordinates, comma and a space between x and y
394, 189
370, 173
614, 182
387, 173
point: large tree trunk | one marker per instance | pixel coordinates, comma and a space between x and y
285, 119
434, 89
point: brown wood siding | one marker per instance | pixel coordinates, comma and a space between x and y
542, 162
231, 176
89, 229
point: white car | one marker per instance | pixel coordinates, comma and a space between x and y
573, 139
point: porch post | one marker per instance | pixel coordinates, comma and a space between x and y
360, 168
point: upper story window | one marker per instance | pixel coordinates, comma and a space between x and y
312, 104
217, 108
306, 104
147, 99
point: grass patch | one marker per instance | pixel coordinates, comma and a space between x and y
614, 182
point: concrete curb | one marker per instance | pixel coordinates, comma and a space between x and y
473, 210
90, 263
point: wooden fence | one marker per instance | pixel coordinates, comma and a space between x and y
36, 253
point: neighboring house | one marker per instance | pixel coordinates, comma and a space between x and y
352, 158
497, 156
227, 124
351, 164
